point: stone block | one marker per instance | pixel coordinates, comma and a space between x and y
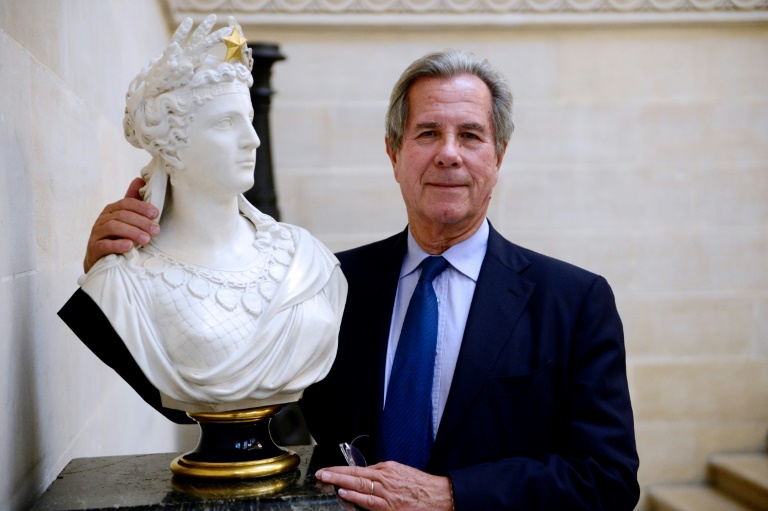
649, 65
597, 197
555, 133
667, 452
727, 435
348, 203
739, 132
700, 390
36, 25
671, 261
670, 131
733, 195
302, 136
736, 258
358, 139
677, 326
736, 62
328, 65
17, 161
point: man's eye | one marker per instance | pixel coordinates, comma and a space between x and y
427, 134
470, 136
224, 123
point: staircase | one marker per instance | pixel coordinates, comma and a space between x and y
736, 482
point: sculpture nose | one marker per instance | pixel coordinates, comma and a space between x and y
250, 139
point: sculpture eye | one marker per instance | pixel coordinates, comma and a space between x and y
224, 123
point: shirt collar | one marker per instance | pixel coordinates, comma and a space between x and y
466, 257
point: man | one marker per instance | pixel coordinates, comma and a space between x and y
528, 401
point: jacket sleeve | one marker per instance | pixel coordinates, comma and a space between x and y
593, 466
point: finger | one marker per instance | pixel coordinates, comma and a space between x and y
138, 232
133, 190
103, 248
363, 500
116, 233
131, 204
343, 469
123, 224
346, 480
106, 247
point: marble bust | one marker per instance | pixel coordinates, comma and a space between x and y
226, 308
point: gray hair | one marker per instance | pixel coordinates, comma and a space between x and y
447, 64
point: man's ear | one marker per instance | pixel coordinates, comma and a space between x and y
500, 157
392, 156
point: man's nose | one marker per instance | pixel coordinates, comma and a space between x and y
449, 154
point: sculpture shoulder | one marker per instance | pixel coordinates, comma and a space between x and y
116, 277
131, 261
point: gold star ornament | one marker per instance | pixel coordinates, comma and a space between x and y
235, 44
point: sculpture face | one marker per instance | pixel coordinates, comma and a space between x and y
221, 151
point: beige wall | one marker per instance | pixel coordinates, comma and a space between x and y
640, 153
64, 70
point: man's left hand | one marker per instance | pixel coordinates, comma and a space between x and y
389, 486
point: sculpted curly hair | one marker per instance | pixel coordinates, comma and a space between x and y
158, 124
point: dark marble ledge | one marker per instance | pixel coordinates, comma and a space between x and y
145, 482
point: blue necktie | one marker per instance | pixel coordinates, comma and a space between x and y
406, 426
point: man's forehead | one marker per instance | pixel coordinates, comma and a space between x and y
457, 81
466, 85
466, 125
431, 99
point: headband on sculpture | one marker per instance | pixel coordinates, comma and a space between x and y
176, 67
185, 75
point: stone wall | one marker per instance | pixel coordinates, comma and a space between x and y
64, 70
640, 152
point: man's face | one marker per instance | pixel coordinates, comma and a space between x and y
221, 150
447, 166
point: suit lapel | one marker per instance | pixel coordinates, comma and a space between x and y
500, 297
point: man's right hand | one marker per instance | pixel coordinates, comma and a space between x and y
122, 224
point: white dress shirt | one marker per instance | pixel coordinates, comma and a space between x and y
454, 289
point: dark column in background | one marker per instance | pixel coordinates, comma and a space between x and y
263, 195
288, 426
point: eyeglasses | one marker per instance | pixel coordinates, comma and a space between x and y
352, 454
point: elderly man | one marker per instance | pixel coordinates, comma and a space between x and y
485, 375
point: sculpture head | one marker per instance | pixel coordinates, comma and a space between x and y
163, 99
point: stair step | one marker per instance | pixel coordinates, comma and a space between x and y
690, 497
743, 475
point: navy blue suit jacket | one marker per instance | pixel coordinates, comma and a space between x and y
538, 415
